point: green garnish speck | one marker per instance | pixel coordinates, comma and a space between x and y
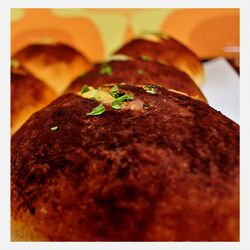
97, 110
105, 69
146, 58
150, 89
55, 128
85, 88
116, 104
114, 91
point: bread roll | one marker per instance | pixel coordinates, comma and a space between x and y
129, 70
163, 167
28, 94
56, 64
165, 50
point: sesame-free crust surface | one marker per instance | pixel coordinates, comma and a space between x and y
168, 171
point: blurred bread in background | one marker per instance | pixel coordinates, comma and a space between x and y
122, 68
56, 64
28, 95
166, 50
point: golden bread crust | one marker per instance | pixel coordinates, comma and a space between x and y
56, 64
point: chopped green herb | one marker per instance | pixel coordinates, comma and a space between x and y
114, 91
105, 69
146, 58
97, 96
55, 128
116, 104
97, 110
140, 71
159, 34
85, 88
150, 89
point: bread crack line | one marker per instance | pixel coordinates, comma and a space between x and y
114, 97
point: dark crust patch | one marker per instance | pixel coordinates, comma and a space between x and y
167, 173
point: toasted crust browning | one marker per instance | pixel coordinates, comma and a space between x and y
168, 171
167, 51
134, 71
28, 95
56, 64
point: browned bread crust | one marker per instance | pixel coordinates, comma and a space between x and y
136, 71
28, 94
56, 64
166, 172
168, 51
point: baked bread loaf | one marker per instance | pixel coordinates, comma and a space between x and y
159, 167
28, 94
56, 64
124, 69
166, 50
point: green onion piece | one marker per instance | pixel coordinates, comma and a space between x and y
105, 70
140, 71
146, 58
114, 91
85, 88
116, 104
97, 110
158, 34
55, 128
150, 89
97, 97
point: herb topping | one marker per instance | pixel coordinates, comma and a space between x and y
55, 128
105, 69
150, 89
146, 58
97, 110
116, 104
85, 88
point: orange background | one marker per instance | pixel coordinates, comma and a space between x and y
98, 32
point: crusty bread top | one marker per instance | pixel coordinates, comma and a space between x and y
168, 171
133, 71
54, 52
57, 64
168, 51
28, 94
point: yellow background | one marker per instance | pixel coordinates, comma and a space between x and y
98, 32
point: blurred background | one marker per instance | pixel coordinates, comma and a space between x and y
98, 32
213, 34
